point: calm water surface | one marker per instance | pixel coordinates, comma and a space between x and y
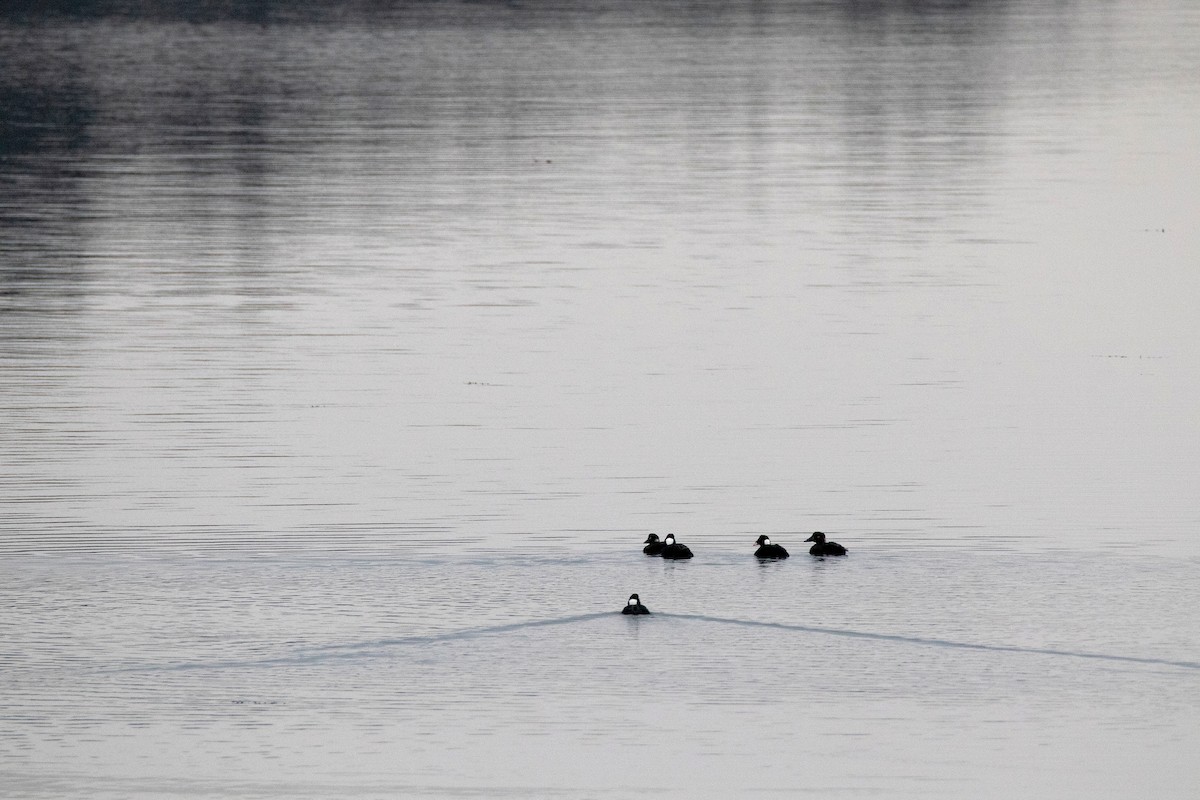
348, 353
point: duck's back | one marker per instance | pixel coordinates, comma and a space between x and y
676, 551
771, 551
827, 549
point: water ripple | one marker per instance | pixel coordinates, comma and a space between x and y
379, 648
888, 637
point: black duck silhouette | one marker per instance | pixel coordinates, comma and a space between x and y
654, 545
673, 549
824, 548
768, 550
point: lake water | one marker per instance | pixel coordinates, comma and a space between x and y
349, 351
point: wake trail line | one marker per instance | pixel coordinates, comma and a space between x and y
888, 637
331, 652
378, 648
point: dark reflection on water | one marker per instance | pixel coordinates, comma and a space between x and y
445, 122
43, 121
458, 103
43, 132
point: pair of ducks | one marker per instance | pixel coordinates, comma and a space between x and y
820, 547
669, 548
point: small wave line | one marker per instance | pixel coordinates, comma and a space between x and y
332, 652
920, 640
318, 653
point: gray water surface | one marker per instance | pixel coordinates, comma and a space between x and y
349, 351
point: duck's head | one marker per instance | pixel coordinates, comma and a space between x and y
764, 539
817, 537
652, 538
633, 600
670, 539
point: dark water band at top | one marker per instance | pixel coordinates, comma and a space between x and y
378, 647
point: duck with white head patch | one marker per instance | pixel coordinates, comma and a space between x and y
673, 549
634, 606
768, 550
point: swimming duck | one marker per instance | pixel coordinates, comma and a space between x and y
768, 550
653, 546
634, 606
824, 548
672, 549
